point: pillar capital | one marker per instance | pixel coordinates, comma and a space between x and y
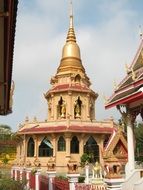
128, 116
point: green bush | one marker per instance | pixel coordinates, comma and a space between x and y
61, 177
85, 158
81, 179
10, 184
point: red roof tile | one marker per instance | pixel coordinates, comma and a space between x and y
57, 129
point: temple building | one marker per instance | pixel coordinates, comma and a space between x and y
70, 129
128, 98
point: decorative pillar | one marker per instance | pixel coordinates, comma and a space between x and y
81, 147
130, 139
54, 145
12, 173
25, 149
70, 107
73, 178
87, 174
37, 184
21, 171
36, 146
128, 118
88, 106
15, 177
68, 138
28, 171
52, 109
51, 176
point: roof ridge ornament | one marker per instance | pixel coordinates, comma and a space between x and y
133, 74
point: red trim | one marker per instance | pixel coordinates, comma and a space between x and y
134, 84
66, 87
57, 129
126, 100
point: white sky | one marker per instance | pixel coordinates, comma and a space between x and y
107, 32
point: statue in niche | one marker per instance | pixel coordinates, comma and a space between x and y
77, 108
63, 109
91, 110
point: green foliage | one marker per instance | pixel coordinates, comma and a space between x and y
61, 177
139, 142
81, 179
5, 132
9, 184
5, 159
85, 158
5, 127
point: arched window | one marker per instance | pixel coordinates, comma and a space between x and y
74, 146
45, 148
91, 147
77, 78
61, 144
30, 147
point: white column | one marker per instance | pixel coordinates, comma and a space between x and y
73, 178
68, 136
131, 155
87, 174
11, 172
128, 118
51, 175
16, 174
28, 170
21, 171
37, 185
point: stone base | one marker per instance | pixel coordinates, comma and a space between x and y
114, 184
51, 173
97, 181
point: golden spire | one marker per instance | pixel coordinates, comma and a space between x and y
71, 48
71, 34
71, 60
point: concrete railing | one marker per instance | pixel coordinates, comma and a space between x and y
138, 185
131, 180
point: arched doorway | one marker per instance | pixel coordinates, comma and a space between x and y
91, 147
30, 148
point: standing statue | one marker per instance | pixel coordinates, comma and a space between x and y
97, 171
63, 109
77, 109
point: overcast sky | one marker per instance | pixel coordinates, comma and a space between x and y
107, 33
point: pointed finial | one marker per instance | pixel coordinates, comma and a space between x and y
133, 74
127, 68
115, 84
140, 32
105, 99
71, 34
71, 14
